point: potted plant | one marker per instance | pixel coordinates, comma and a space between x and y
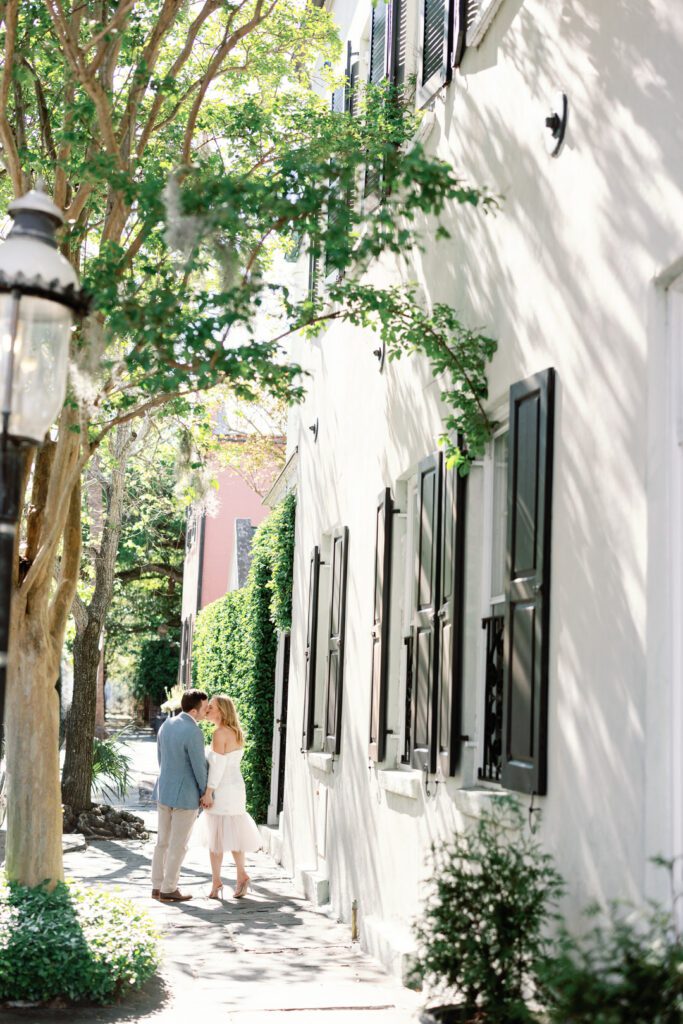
481, 939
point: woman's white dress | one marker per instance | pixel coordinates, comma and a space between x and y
226, 825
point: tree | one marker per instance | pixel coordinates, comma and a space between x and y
187, 143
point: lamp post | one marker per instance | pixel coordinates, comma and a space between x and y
39, 299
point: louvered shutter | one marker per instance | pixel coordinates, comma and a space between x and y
350, 99
453, 493
381, 19
435, 36
380, 625
311, 650
463, 12
425, 651
335, 643
525, 694
397, 36
314, 275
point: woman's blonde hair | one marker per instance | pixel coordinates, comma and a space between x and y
229, 716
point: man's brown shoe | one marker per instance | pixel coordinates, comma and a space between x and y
155, 894
173, 897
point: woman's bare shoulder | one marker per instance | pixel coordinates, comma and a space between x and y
232, 743
221, 739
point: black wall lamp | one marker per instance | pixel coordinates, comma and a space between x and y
556, 124
314, 430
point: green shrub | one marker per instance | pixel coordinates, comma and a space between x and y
627, 969
235, 643
482, 931
75, 943
111, 765
155, 670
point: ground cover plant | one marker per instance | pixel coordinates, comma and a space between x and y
72, 943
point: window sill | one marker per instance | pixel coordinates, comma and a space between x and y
406, 784
321, 762
473, 802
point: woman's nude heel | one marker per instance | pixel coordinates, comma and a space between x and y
213, 895
241, 889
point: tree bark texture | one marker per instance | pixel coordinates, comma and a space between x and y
34, 812
90, 620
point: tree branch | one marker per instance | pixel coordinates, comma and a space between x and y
230, 41
209, 7
150, 570
67, 581
35, 516
10, 154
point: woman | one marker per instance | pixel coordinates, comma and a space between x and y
225, 824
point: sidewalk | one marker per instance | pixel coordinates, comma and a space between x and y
269, 958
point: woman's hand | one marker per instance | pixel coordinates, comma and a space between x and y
207, 798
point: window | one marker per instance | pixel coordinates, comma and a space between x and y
387, 60
434, 68
311, 650
516, 676
434, 641
334, 681
381, 625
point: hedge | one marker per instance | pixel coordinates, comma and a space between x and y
156, 669
235, 643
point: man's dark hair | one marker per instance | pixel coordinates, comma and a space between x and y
191, 699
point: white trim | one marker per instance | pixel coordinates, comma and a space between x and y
675, 445
476, 33
321, 762
402, 782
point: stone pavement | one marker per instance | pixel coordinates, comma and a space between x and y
270, 958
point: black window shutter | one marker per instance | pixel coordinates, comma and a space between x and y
335, 646
435, 35
350, 100
396, 41
464, 12
311, 650
425, 651
380, 626
453, 495
525, 694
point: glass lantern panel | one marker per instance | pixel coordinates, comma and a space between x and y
39, 364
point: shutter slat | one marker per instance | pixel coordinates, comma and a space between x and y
525, 694
380, 625
311, 650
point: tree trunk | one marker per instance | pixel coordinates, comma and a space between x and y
101, 703
80, 722
34, 812
90, 619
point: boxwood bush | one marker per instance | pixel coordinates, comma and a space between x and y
74, 943
235, 642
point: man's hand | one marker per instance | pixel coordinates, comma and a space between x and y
207, 799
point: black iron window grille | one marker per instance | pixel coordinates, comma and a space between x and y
493, 700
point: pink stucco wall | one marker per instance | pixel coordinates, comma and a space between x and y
236, 501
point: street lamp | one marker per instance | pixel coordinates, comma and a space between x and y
39, 298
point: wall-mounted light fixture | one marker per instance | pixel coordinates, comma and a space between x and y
314, 430
556, 124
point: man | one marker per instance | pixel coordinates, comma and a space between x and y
183, 775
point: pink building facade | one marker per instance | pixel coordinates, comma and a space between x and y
217, 553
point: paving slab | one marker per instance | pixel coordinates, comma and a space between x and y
270, 958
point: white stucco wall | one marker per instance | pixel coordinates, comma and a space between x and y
570, 273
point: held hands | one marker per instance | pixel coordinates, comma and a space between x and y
207, 799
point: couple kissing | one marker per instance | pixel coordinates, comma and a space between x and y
190, 778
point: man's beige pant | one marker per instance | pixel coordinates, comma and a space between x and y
173, 832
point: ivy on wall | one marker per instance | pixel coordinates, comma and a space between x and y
235, 643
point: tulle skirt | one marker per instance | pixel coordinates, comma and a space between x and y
221, 832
